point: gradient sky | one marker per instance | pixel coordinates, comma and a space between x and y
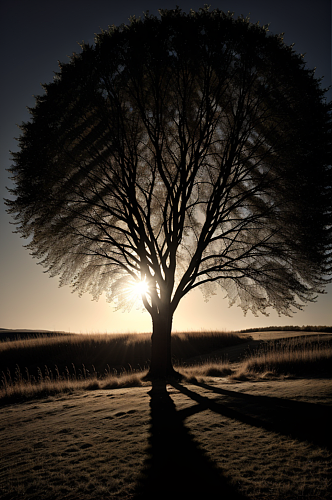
34, 36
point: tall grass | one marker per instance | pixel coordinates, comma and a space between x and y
29, 367
48, 383
65, 362
309, 355
97, 351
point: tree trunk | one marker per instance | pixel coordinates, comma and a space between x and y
161, 358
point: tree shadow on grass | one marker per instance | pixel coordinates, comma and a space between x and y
176, 467
300, 420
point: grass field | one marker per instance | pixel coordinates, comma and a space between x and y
250, 420
298, 356
40, 363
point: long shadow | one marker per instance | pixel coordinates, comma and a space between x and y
303, 421
176, 467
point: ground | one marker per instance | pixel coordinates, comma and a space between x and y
261, 440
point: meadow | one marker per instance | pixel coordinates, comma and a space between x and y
250, 419
48, 363
42, 363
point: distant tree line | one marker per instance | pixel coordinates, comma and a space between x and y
307, 328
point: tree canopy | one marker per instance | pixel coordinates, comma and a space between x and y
185, 150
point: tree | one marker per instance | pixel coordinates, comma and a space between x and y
183, 150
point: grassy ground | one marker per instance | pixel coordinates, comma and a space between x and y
245, 440
298, 356
254, 427
62, 362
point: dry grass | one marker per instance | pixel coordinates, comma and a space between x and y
28, 387
63, 363
283, 358
110, 444
300, 356
227, 427
201, 371
289, 357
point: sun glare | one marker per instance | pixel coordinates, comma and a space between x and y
141, 287
131, 292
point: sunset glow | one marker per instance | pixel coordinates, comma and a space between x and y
32, 300
140, 288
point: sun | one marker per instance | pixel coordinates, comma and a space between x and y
140, 287
129, 292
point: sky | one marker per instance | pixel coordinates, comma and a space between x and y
35, 35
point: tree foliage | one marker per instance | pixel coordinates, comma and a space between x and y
188, 150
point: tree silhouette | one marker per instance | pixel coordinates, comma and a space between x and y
182, 150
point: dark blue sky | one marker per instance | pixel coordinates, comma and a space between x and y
34, 36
